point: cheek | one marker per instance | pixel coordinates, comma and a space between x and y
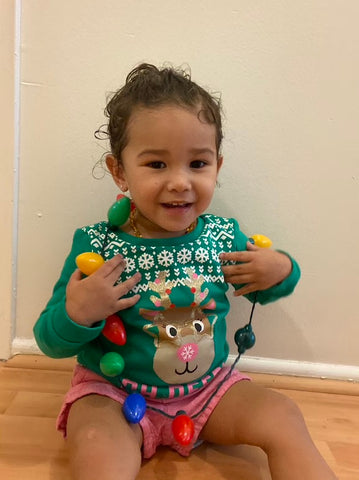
144, 191
206, 192
207, 186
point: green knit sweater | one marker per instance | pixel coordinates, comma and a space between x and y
176, 333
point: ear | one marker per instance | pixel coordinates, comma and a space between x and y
118, 174
219, 163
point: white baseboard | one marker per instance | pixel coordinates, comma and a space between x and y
24, 346
275, 366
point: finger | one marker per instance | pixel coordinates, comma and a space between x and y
244, 290
124, 287
242, 257
230, 270
76, 276
112, 268
239, 269
251, 247
239, 279
127, 302
116, 273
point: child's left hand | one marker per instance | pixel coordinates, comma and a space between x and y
259, 268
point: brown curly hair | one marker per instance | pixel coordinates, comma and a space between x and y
148, 86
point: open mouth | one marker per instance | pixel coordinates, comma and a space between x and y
177, 205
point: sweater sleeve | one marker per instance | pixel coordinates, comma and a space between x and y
55, 333
283, 289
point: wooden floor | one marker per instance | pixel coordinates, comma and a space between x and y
32, 388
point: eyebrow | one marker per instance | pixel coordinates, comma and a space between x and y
159, 151
152, 151
203, 150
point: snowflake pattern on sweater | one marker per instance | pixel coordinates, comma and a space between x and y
218, 236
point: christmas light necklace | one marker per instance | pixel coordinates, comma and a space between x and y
112, 363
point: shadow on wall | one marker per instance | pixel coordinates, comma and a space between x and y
277, 334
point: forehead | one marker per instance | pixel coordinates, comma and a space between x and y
170, 123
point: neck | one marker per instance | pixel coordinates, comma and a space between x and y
140, 234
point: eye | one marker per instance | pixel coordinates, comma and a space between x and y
198, 325
198, 164
171, 331
156, 164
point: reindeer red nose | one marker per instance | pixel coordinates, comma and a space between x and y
187, 352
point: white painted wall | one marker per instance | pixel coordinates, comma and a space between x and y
7, 95
289, 75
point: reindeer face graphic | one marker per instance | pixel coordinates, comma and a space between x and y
183, 336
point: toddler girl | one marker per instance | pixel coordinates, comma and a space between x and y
166, 275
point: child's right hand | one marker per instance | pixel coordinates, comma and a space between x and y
94, 298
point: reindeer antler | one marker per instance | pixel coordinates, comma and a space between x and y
163, 287
195, 282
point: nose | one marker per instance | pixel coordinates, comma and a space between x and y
179, 181
187, 352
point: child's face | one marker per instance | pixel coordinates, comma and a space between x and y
170, 166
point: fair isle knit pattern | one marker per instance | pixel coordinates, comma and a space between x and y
218, 236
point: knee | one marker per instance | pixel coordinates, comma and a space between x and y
286, 423
286, 409
89, 434
98, 440
95, 450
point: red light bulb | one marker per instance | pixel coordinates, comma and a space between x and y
114, 330
183, 429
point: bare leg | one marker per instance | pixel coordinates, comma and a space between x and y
102, 445
252, 415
